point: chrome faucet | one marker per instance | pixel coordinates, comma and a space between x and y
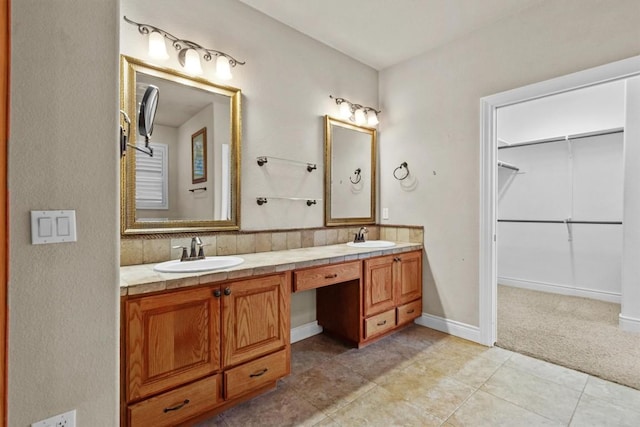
360, 235
196, 242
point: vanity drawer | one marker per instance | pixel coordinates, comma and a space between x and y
409, 311
176, 406
379, 323
317, 277
253, 375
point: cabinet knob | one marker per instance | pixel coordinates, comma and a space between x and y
217, 293
227, 291
178, 406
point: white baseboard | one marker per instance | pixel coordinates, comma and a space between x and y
629, 324
452, 327
561, 289
305, 331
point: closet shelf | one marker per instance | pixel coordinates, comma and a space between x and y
261, 160
310, 200
562, 138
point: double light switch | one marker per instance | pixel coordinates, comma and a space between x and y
53, 227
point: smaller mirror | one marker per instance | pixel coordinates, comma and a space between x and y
147, 113
350, 178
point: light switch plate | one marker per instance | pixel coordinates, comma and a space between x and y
385, 213
53, 227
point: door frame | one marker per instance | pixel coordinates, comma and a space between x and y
5, 48
489, 105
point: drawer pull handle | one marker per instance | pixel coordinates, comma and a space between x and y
384, 322
331, 276
411, 311
259, 373
178, 406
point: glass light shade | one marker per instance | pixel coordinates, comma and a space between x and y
223, 68
192, 62
157, 47
345, 110
359, 117
372, 118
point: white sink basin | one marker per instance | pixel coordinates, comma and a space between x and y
209, 263
372, 244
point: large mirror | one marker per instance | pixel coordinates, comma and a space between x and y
191, 183
350, 176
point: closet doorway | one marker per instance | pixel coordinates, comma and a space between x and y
629, 70
560, 203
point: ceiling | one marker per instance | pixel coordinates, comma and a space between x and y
381, 33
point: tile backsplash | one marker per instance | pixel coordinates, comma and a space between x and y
146, 250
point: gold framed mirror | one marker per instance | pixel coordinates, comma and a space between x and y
350, 173
196, 134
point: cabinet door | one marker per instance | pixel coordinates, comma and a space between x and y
171, 339
255, 315
408, 277
378, 285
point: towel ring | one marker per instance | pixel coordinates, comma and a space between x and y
395, 171
358, 176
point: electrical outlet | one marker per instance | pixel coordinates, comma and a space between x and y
68, 419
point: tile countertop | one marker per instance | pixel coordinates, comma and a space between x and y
142, 279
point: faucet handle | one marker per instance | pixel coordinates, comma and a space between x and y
201, 249
184, 252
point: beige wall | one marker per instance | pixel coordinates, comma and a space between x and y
432, 120
63, 298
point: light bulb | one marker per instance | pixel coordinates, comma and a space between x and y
372, 118
223, 68
192, 62
157, 47
359, 117
345, 110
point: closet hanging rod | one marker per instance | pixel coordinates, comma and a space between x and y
545, 221
563, 138
508, 166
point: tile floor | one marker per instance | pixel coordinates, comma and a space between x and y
421, 377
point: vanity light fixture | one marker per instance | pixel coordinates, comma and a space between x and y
157, 47
188, 52
359, 114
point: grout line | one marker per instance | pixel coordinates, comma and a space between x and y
579, 400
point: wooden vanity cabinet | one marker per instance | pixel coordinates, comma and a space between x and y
378, 295
171, 339
194, 352
392, 294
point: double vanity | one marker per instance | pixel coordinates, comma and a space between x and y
197, 343
201, 335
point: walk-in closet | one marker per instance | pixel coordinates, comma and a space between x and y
560, 229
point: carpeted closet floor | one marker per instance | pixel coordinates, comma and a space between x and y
575, 332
